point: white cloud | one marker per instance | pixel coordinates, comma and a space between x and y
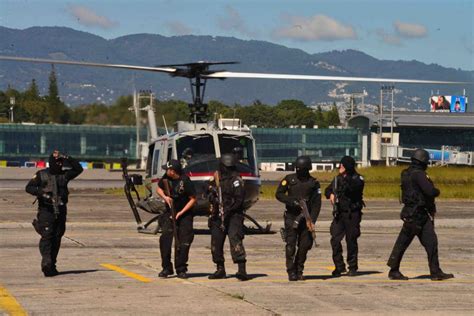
232, 21
388, 38
179, 28
410, 30
315, 28
87, 17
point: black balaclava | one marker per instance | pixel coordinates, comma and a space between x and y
55, 165
419, 164
349, 164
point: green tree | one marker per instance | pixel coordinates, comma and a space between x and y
58, 112
32, 92
332, 117
319, 118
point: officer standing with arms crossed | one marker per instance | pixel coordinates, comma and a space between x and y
418, 197
180, 195
346, 195
50, 187
227, 218
293, 188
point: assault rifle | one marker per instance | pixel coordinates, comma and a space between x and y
220, 206
309, 221
167, 191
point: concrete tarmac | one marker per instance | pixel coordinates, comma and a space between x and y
107, 268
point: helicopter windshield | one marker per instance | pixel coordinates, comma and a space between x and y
197, 153
242, 147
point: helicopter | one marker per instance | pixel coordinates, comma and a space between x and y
199, 142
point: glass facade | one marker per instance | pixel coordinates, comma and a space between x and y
285, 144
435, 137
110, 143
85, 142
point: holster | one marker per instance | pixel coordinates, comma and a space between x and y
283, 234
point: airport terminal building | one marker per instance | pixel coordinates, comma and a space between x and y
448, 136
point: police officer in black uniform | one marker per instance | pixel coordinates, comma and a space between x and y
182, 198
418, 197
231, 221
50, 187
296, 186
345, 193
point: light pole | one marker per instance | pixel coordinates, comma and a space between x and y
12, 104
389, 89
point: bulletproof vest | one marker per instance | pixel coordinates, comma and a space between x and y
47, 185
227, 187
411, 195
349, 198
300, 189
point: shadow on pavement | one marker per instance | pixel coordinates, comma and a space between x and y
77, 271
367, 272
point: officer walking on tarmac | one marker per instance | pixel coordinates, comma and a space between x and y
50, 187
418, 197
227, 217
346, 195
292, 189
180, 195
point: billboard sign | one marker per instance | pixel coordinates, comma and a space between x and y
448, 103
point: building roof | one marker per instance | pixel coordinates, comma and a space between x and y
428, 119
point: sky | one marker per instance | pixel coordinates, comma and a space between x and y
430, 31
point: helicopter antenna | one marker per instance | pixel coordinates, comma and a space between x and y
164, 122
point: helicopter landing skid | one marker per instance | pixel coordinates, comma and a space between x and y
258, 229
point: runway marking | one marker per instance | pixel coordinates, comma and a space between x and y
126, 273
9, 304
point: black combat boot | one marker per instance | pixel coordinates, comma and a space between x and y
242, 272
440, 276
396, 275
300, 276
165, 273
337, 272
219, 274
352, 272
292, 276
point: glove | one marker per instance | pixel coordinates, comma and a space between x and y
63, 156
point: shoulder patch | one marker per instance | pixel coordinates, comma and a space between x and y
34, 176
236, 183
361, 177
319, 190
283, 183
427, 176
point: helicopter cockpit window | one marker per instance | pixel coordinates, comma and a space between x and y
197, 153
242, 147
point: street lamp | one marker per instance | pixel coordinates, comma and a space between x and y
12, 104
386, 89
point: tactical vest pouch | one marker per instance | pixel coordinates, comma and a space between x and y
36, 226
407, 212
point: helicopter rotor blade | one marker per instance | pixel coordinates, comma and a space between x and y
81, 63
228, 74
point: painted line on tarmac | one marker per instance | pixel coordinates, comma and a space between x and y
9, 304
126, 273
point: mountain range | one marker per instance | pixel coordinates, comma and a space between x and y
78, 85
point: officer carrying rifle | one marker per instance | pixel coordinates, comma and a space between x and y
345, 193
299, 191
50, 187
226, 197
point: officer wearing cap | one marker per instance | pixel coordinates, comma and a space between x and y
50, 187
418, 197
231, 221
182, 197
299, 240
346, 195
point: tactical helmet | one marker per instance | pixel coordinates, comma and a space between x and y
303, 162
348, 162
421, 155
228, 160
